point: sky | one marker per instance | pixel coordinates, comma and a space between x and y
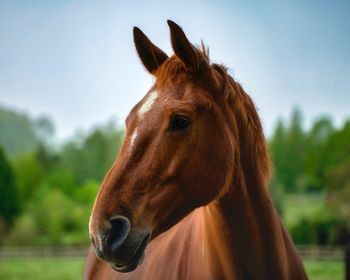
75, 60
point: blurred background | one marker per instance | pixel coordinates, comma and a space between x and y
69, 75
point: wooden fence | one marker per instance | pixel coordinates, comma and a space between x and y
43, 252
313, 252
306, 252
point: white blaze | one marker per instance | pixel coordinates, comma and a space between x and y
147, 105
132, 139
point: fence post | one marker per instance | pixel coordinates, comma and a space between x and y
347, 261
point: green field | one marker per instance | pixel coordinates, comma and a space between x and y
325, 270
64, 269
40, 269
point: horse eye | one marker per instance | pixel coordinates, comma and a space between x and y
179, 122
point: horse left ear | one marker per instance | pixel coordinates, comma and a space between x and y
183, 48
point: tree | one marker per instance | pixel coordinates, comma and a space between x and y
295, 153
337, 172
277, 148
29, 174
17, 133
92, 156
8, 199
277, 152
287, 149
315, 161
44, 129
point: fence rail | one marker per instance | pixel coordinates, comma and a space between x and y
312, 252
306, 252
42, 252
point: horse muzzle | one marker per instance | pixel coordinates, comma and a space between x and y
120, 245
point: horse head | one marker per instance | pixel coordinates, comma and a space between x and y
176, 155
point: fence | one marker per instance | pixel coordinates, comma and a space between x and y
43, 252
313, 252
306, 252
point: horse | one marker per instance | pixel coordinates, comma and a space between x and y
187, 196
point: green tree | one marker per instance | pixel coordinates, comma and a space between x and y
92, 156
17, 133
44, 128
337, 148
278, 156
315, 161
277, 149
287, 150
339, 191
295, 153
29, 175
337, 173
9, 196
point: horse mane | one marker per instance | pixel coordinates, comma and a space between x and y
173, 66
249, 125
169, 70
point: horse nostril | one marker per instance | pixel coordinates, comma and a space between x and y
119, 232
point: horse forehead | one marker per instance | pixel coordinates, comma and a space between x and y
148, 103
160, 97
146, 106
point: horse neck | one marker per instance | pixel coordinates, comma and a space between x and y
244, 232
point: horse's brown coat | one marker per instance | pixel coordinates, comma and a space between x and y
202, 192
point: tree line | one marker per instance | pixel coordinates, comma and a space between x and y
308, 164
47, 192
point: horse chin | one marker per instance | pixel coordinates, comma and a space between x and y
135, 261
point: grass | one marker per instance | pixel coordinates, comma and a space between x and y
67, 269
40, 269
324, 270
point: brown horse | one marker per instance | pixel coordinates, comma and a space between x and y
187, 195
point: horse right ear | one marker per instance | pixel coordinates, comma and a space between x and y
151, 56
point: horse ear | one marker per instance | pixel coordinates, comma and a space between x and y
151, 56
183, 48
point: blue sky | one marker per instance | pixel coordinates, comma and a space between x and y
75, 60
